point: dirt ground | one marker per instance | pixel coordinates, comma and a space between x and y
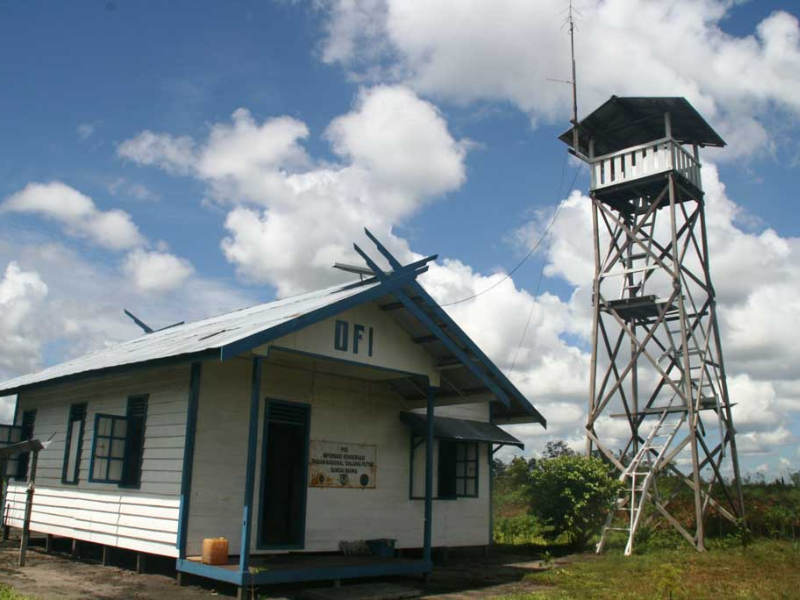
56, 576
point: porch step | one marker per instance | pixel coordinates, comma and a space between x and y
363, 591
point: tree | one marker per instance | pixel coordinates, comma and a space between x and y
572, 493
556, 449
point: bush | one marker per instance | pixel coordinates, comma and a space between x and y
572, 494
520, 529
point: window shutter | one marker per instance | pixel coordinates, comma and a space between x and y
289, 414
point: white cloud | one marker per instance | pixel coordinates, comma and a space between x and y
113, 229
22, 295
470, 50
151, 271
294, 216
156, 271
51, 297
174, 155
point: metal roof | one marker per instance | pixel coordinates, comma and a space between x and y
623, 122
467, 371
193, 338
463, 430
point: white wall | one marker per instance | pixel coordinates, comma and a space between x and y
344, 410
144, 519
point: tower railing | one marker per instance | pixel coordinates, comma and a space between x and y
645, 160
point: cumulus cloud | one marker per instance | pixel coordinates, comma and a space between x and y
156, 271
53, 299
293, 216
112, 229
469, 50
151, 271
22, 295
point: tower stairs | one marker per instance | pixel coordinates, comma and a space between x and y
639, 478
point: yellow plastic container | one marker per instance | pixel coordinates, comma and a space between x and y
215, 551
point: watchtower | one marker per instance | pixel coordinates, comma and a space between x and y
657, 360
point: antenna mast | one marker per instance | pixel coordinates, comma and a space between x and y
571, 21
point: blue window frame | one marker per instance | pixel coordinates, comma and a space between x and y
74, 444
457, 469
134, 445
10, 434
108, 449
118, 445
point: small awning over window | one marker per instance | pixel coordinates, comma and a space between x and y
463, 430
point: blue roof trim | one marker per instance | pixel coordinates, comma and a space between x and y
461, 335
425, 319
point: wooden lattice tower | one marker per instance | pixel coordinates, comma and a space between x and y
658, 402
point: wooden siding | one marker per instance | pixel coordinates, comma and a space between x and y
144, 519
342, 409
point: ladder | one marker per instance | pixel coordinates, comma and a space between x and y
639, 477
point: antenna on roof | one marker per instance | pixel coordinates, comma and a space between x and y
570, 22
145, 327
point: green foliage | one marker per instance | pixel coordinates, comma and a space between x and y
556, 449
8, 593
669, 581
572, 494
519, 529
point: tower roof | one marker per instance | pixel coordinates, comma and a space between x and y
622, 122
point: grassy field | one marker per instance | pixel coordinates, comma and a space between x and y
766, 569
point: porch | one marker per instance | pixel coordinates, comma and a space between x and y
295, 568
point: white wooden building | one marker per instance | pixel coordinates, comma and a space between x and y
352, 413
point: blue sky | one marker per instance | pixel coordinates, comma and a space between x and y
83, 81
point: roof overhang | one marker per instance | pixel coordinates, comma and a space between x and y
462, 430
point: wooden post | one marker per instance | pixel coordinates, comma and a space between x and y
75, 549
106, 555
3, 469
141, 562
426, 552
26, 523
250, 473
48, 543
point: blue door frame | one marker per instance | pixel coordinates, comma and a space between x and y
263, 475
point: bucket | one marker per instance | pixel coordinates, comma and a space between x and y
382, 548
215, 551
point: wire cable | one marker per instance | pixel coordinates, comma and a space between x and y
535, 247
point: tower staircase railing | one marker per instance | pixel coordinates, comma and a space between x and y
637, 162
638, 478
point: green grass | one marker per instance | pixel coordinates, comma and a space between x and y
7, 593
765, 570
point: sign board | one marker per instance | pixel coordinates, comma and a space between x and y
342, 465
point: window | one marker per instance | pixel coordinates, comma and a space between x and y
72, 450
28, 420
458, 469
134, 447
119, 445
108, 449
10, 434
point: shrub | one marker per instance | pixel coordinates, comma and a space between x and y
572, 494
